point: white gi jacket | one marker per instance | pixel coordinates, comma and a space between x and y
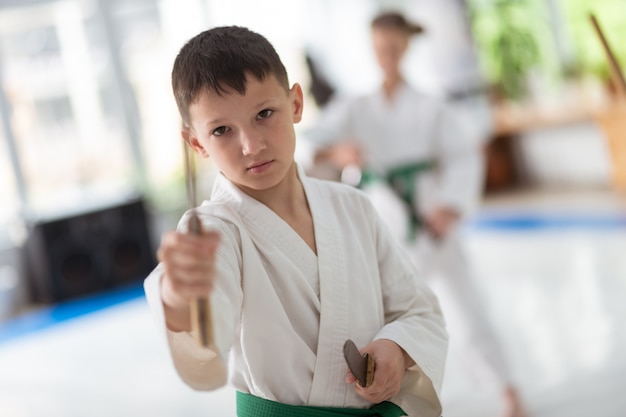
283, 314
410, 128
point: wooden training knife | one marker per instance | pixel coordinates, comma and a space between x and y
361, 366
200, 309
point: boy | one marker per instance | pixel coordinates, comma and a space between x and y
293, 266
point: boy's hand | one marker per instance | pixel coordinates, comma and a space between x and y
189, 273
391, 363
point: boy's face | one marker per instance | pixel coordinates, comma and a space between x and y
251, 137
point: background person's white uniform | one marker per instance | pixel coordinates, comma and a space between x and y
412, 128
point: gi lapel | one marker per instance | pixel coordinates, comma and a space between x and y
330, 370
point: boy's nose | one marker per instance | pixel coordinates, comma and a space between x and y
252, 142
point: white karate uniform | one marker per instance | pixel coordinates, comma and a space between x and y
283, 314
414, 128
411, 128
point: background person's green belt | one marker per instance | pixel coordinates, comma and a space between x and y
402, 180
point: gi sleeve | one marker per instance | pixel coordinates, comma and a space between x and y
414, 321
200, 368
333, 124
460, 162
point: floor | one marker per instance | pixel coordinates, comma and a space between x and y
552, 268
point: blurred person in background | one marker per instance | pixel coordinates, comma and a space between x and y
423, 169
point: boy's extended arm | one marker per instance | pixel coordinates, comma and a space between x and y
201, 368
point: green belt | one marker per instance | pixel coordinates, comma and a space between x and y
250, 406
402, 180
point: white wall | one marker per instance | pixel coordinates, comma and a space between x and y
567, 156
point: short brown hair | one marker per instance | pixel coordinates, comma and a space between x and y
395, 20
218, 60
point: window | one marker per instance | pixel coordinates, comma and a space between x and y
9, 199
72, 152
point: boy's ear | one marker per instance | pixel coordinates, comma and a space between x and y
297, 102
193, 142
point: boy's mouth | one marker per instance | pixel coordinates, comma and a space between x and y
259, 166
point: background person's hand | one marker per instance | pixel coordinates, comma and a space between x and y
439, 222
341, 154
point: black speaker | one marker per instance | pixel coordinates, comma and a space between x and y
72, 256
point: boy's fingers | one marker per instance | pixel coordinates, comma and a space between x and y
189, 266
350, 378
189, 277
188, 272
191, 243
190, 291
178, 295
181, 248
374, 393
187, 259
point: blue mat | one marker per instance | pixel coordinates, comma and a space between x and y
58, 313
522, 222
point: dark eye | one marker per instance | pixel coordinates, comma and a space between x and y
219, 131
265, 113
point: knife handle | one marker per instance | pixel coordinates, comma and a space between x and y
370, 371
361, 366
200, 308
201, 322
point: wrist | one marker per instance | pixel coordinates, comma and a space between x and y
176, 319
175, 309
408, 361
